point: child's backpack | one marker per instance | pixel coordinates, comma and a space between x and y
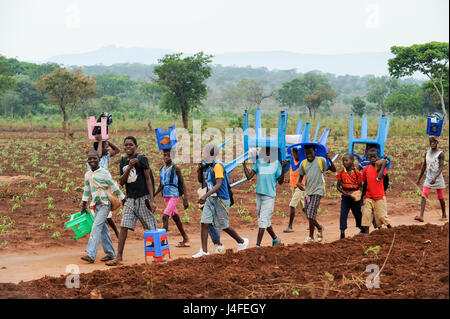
179, 186
227, 180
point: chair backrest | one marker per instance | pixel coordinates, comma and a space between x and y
92, 122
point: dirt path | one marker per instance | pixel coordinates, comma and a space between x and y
35, 264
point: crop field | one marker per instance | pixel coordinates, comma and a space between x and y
41, 182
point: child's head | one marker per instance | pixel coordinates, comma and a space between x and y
372, 155
210, 151
295, 154
130, 145
347, 161
434, 141
105, 147
370, 146
166, 156
269, 154
310, 152
93, 159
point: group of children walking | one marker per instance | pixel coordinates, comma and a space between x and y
362, 189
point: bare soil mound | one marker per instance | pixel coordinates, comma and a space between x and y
413, 263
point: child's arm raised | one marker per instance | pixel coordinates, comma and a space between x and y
422, 169
248, 174
115, 149
181, 180
332, 167
383, 166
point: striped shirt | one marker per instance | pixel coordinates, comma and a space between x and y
102, 178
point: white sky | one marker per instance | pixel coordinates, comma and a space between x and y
39, 29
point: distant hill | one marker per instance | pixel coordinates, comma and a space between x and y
340, 64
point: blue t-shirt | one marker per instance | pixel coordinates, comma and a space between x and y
164, 176
268, 174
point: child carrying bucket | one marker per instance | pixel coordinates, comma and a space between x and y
96, 182
433, 163
171, 180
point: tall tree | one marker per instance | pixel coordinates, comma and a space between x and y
182, 81
379, 88
252, 92
68, 90
322, 95
430, 59
151, 91
6, 80
291, 93
358, 106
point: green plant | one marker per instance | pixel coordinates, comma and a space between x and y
186, 218
375, 250
329, 276
16, 205
56, 234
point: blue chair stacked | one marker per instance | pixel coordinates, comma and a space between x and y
379, 141
156, 244
320, 146
260, 141
172, 135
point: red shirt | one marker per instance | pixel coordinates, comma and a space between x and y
350, 180
375, 189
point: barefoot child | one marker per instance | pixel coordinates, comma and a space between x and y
171, 178
102, 147
217, 203
137, 177
374, 205
349, 181
434, 164
96, 181
313, 168
269, 171
298, 196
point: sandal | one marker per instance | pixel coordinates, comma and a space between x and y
418, 218
88, 259
107, 258
288, 230
444, 219
114, 262
183, 244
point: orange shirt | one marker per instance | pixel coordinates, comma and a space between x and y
293, 176
350, 180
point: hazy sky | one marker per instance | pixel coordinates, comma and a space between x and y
38, 29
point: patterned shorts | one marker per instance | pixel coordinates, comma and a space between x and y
135, 209
312, 205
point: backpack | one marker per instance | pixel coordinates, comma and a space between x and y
227, 180
179, 186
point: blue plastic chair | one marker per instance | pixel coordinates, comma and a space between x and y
156, 244
379, 141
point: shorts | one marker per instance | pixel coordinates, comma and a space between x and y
374, 209
264, 207
312, 206
298, 196
426, 192
171, 206
215, 212
134, 209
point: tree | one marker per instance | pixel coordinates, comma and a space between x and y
291, 93
252, 92
9, 100
322, 95
378, 89
430, 59
151, 91
67, 90
182, 81
6, 81
358, 106
407, 100
433, 96
114, 85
